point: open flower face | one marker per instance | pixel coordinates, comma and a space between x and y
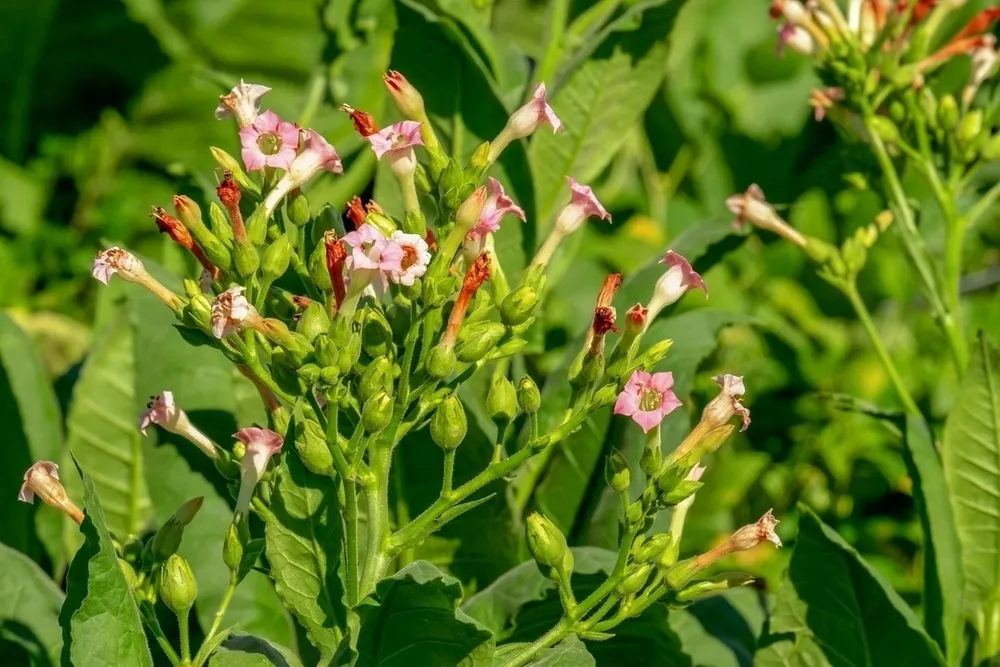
647, 399
269, 142
400, 136
416, 257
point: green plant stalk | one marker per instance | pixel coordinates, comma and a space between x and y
533, 474
154, 627
850, 290
220, 613
377, 557
558, 17
989, 644
449, 473
351, 541
984, 204
182, 622
915, 247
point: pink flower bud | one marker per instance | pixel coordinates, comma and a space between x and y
261, 444
42, 480
647, 399
163, 411
753, 208
243, 102
529, 117
796, 38
497, 205
406, 97
673, 284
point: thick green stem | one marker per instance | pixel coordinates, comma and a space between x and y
351, 539
550, 638
220, 613
554, 36
377, 556
851, 291
185, 631
449, 472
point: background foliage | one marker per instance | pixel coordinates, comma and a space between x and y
106, 109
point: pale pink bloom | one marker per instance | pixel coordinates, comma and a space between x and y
796, 38
588, 202
401, 136
231, 312
647, 399
42, 480
793, 11
115, 260
723, 407
753, 534
261, 445
372, 254
162, 410
317, 155
673, 284
243, 102
529, 117
753, 208
497, 205
416, 257
269, 142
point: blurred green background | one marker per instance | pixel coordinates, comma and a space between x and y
106, 109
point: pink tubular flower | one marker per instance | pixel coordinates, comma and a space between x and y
317, 155
42, 480
647, 399
399, 137
673, 284
822, 101
243, 102
583, 204
269, 142
115, 260
162, 410
231, 312
497, 206
723, 407
416, 257
586, 200
261, 445
753, 208
529, 117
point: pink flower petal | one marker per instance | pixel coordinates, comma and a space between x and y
647, 420
267, 122
627, 403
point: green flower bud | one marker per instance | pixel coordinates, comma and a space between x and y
317, 268
654, 355
167, 539
330, 375
518, 306
246, 259
476, 341
680, 492
298, 208
897, 111
376, 334
719, 583
325, 350
308, 373
349, 354
633, 583
501, 401
481, 158
177, 585
312, 322
381, 222
634, 513
421, 180
198, 312
449, 424
221, 226
376, 378
991, 148
669, 555
190, 216
377, 412
414, 223
592, 369
548, 545
276, 258
528, 396
441, 362
619, 477
651, 458
947, 112
651, 548
130, 577
969, 127
885, 129
606, 395
232, 549
678, 576
310, 443
452, 177
256, 226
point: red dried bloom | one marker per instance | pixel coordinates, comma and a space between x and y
356, 212
477, 274
604, 320
364, 123
229, 194
179, 234
431, 240
336, 255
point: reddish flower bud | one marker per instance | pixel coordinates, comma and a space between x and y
364, 124
635, 319
356, 212
229, 194
336, 256
406, 97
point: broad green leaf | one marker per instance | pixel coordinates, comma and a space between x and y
845, 606
207, 387
29, 608
721, 630
412, 618
30, 414
247, 651
100, 619
304, 548
971, 453
103, 433
943, 577
609, 92
570, 652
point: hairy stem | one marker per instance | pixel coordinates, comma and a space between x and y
185, 631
